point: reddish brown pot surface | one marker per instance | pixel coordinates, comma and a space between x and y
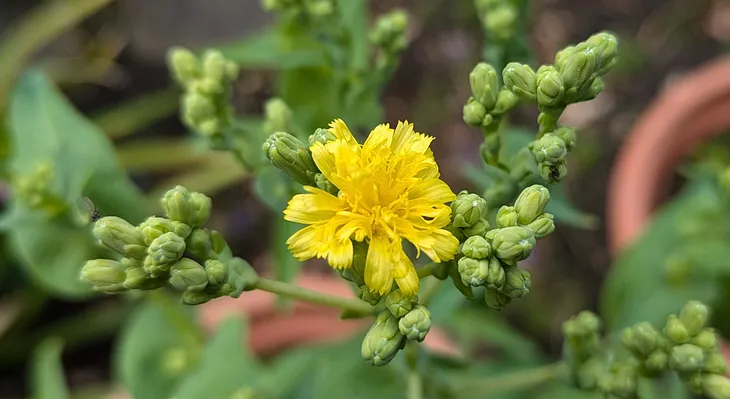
685, 115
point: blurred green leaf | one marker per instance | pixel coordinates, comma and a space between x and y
46, 377
286, 267
272, 187
565, 212
514, 138
157, 348
269, 49
226, 366
353, 14
130, 116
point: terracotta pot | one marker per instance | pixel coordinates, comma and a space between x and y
685, 115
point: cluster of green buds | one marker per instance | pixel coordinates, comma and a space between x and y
153, 253
207, 83
402, 320
488, 257
308, 8
498, 18
388, 34
486, 107
35, 190
293, 157
685, 346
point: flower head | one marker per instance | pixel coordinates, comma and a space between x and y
389, 191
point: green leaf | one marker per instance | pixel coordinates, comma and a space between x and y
353, 15
269, 49
46, 375
564, 211
286, 267
273, 188
157, 348
225, 367
514, 138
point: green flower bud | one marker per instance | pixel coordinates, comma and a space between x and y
368, 296
119, 235
216, 271
484, 85
513, 244
479, 228
531, 203
580, 68
496, 300
676, 331
473, 271
188, 275
104, 275
606, 46
517, 282
164, 251
592, 91
389, 31
474, 112
278, 115
694, 316
715, 363
199, 244
500, 21
476, 247
290, 155
549, 149
621, 381
716, 386
506, 216
656, 362
506, 100
521, 80
319, 8
686, 358
562, 56
178, 205
201, 208
323, 184
567, 134
398, 304
416, 323
155, 226
542, 226
552, 172
550, 88
320, 135
197, 297
693, 382
183, 64
467, 209
495, 275
705, 339
584, 324
383, 340
197, 108
641, 339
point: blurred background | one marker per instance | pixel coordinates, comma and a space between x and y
112, 67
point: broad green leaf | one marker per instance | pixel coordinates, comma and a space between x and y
225, 367
46, 375
273, 188
514, 138
269, 49
157, 348
353, 14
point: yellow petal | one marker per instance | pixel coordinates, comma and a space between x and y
304, 244
324, 160
406, 139
434, 190
377, 140
407, 278
340, 254
342, 132
439, 245
319, 206
378, 265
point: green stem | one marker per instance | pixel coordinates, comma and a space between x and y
303, 294
133, 115
428, 290
414, 389
522, 379
426, 270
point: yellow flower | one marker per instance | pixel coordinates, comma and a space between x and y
389, 191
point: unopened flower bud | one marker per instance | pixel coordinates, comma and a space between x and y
517, 282
476, 247
278, 115
323, 184
319, 8
676, 331
513, 244
368, 296
562, 56
705, 339
484, 85
592, 91
383, 340
178, 205
500, 20
495, 275
521, 80
606, 46
197, 297
531, 203
549, 149
550, 88
496, 300
716, 386
155, 226
506, 100
580, 68
467, 209
188, 275
216, 271
686, 358
290, 155
656, 362
320, 135
641, 339
715, 363
398, 304
473, 271
542, 226
474, 112
584, 324
119, 235
416, 323
389, 31
166, 250
199, 244
201, 208
567, 134
197, 108
552, 172
104, 275
694, 317
506, 216
183, 64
